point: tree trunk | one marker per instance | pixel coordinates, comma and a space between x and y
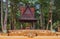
11, 17
14, 15
2, 14
41, 25
5, 18
50, 16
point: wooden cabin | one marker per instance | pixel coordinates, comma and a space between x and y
28, 16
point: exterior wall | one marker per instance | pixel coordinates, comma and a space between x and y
0, 8
0, 13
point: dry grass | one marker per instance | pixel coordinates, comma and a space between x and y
30, 32
22, 37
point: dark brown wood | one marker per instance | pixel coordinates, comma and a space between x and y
27, 15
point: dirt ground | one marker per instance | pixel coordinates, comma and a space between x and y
22, 37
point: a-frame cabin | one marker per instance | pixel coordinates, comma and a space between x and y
27, 15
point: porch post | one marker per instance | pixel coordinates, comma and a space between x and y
33, 25
21, 26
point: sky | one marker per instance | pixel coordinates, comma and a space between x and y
4, 0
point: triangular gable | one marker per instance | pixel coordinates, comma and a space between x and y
27, 13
